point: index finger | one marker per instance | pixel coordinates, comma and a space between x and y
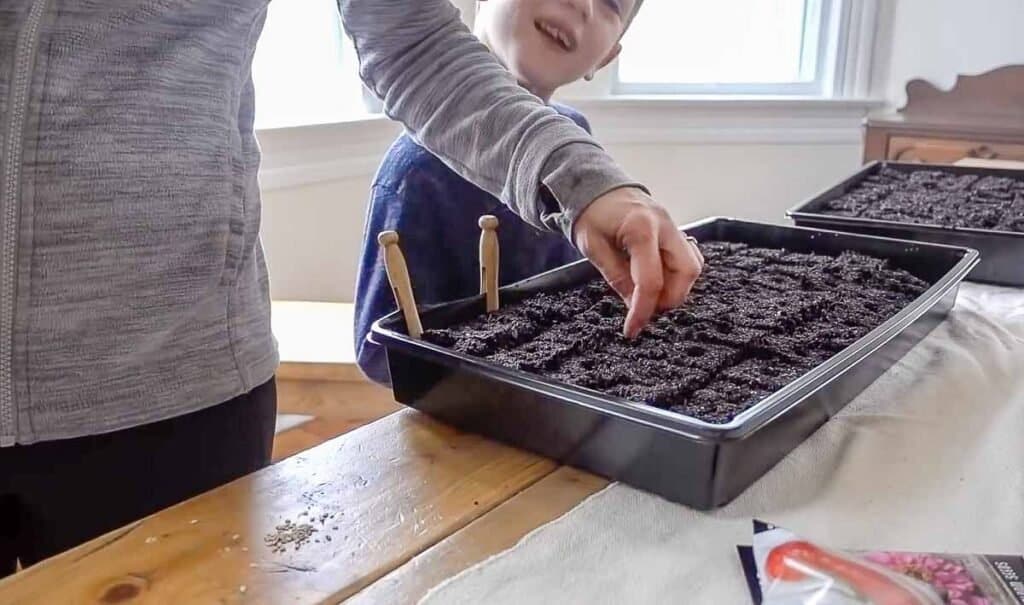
648, 280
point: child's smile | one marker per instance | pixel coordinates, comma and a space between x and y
556, 34
547, 44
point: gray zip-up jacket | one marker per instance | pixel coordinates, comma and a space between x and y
132, 282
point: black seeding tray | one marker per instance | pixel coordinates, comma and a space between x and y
679, 457
1002, 251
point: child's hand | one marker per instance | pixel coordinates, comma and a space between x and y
640, 252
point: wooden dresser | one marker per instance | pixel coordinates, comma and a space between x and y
982, 116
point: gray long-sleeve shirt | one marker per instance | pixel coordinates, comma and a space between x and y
132, 281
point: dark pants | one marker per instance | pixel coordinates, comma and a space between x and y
55, 495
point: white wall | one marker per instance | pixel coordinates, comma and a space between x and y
938, 39
755, 181
311, 235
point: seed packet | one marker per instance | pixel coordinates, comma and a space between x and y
785, 569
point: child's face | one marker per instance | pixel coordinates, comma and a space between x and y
550, 43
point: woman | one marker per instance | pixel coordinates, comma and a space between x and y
136, 359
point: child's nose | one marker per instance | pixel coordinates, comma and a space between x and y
584, 7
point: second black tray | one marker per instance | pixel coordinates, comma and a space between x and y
1002, 252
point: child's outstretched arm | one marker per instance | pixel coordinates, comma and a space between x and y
458, 101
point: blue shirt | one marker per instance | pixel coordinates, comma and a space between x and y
435, 213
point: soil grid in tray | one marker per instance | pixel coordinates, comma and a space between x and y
936, 197
757, 319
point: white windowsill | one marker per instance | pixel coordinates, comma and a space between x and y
318, 153
724, 102
354, 121
307, 155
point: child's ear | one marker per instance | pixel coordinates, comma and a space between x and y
612, 55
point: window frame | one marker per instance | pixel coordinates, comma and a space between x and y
355, 103
846, 32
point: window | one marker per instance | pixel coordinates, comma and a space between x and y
305, 69
769, 47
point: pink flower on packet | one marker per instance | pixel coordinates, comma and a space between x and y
784, 569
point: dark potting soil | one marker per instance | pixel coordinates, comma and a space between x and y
936, 197
757, 319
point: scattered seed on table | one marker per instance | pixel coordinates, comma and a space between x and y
289, 534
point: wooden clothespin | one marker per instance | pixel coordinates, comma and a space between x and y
401, 287
489, 260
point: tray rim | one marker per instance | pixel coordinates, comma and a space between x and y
801, 212
748, 421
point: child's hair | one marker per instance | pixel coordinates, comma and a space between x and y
636, 9
632, 15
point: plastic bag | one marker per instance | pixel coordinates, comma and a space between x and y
784, 569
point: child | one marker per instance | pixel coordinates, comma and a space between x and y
545, 44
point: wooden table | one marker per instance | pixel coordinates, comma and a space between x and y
399, 505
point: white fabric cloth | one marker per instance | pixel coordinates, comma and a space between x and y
285, 422
930, 457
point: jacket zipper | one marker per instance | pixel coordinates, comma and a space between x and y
10, 180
